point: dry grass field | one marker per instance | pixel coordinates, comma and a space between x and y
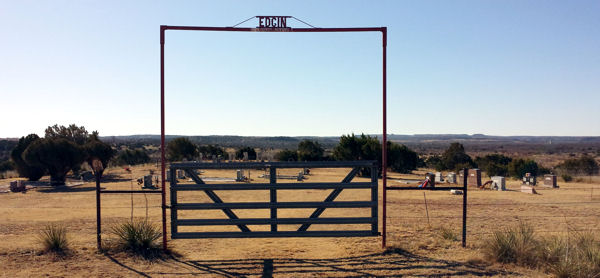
417, 247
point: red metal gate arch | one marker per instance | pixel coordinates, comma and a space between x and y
261, 28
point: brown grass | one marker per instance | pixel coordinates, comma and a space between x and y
422, 251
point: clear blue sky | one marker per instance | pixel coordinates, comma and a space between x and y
495, 67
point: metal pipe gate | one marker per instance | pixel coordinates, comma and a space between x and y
274, 205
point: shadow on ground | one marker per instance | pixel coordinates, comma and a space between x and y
63, 189
392, 263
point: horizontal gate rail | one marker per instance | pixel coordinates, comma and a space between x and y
274, 205
267, 186
275, 164
345, 233
437, 188
268, 221
265, 205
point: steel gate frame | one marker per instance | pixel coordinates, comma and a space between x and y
273, 205
164, 28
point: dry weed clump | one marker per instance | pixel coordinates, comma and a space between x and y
570, 255
447, 233
139, 237
575, 255
514, 245
54, 238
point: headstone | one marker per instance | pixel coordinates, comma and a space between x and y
148, 181
305, 171
300, 176
550, 181
87, 175
439, 177
214, 158
528, 189
180, 174
17, 186
245, 156
240, 175
529, 179
201, 157
451, 177
474, 178
231, 156
498, 183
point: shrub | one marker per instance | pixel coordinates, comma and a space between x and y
576, 256
287, 155
455, 158
585, 165
59, 156
139, 237
518, 167
567, 178
310, 151
132, 157
448, 234
363, 147
54, 238
494, 164
31, 172
73, 133
7, 166
401, 159
181, 148
210, 150
514, 245
98, 150
434, 162
239, 153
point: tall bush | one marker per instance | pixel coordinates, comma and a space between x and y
30, 171
210, 150
309, 150
454, 158
239, 153
494, 164
585, 165
401, 159
59, 156
181, 148
518, 167
287, 155
98, 150
363, 147
132, 157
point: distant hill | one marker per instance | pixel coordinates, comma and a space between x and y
276, 142
422, 143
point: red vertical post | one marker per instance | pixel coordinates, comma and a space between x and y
384, 139
98, 216
162, 135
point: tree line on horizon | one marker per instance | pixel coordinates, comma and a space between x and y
66, 148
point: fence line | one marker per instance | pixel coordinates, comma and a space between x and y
492, 204
78, 207
536, 231
495, 217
